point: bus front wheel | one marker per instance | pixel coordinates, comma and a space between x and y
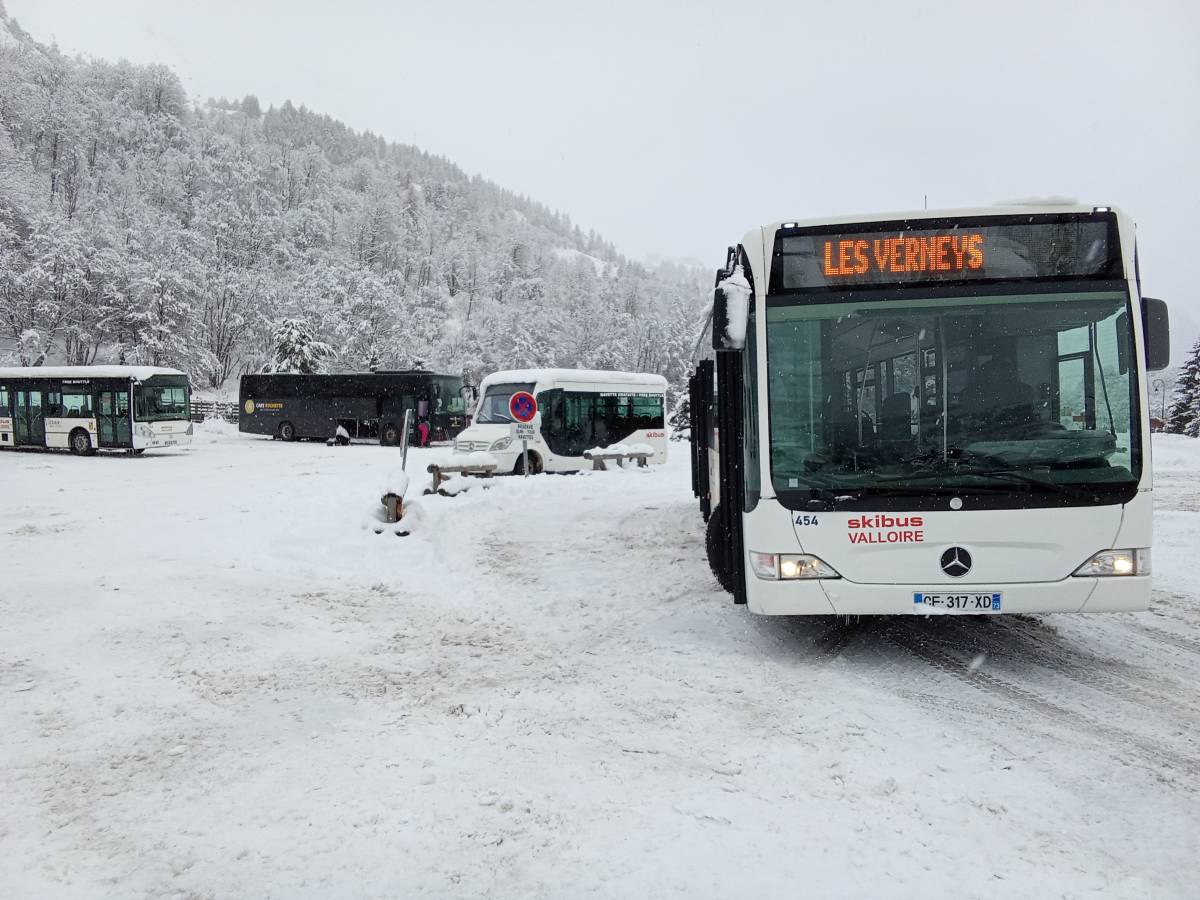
390, 436
81, 442
715, 541
287, 431
535, 464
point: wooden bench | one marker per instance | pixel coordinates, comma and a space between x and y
599, 460
442, 472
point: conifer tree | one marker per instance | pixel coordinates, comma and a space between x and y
1184, 415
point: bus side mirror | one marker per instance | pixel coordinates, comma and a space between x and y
1156, 325
720, 317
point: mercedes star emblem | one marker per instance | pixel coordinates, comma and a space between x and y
956, 562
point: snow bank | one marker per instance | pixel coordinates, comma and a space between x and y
449, 457
1172, 452
737, 298
623, 448
396, 482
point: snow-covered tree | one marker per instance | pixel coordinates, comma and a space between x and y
1183, 416
136, 226
296, 350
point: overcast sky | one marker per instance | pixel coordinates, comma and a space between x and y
673, 128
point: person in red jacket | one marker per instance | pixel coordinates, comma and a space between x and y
423, 432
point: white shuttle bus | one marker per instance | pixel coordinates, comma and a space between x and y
578, 409
85, 408
931, 413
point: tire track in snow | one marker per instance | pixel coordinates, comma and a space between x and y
1156, 756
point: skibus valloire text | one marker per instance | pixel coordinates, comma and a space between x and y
935, 412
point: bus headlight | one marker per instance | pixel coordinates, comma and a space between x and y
790, 566
501, 444
1116, 562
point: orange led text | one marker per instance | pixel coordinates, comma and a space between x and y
939, 253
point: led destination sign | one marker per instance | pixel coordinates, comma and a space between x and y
902, 253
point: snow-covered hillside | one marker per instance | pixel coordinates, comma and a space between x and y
216, 682
138, 226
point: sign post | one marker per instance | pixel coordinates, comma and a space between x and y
404, 438
522, 406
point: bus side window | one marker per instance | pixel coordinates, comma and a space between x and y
54, 405
5, 410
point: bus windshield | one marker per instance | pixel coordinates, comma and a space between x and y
161, 398
1030, 392
450, 393
493, 408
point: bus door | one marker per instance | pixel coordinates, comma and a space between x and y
700, 392
115, 429
29, 419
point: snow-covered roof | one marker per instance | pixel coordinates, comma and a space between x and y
1021, 207
590, 376
138, 373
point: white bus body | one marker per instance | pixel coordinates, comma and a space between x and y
932, 412
85, 408
578, 410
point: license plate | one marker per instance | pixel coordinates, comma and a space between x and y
970, 604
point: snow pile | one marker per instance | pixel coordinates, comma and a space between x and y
256, 699
211, 430
622, 448
396, 482
737, 299
447, 457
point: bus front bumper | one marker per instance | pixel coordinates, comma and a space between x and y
149, 437
837, 596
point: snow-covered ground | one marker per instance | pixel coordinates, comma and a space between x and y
217, 681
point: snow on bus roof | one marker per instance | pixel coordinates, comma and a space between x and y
591, 376
138, 373
1032, 206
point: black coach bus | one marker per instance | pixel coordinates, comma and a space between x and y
368, 405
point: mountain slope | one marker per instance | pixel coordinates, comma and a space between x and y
138, 226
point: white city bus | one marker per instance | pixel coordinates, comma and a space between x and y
578, 410
85, 408
931, 412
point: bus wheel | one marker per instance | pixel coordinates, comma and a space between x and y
287, 431
81, 442
535, 464
390, 435
715, 541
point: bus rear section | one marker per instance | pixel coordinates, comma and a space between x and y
940, 414
578, 410
85, 408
